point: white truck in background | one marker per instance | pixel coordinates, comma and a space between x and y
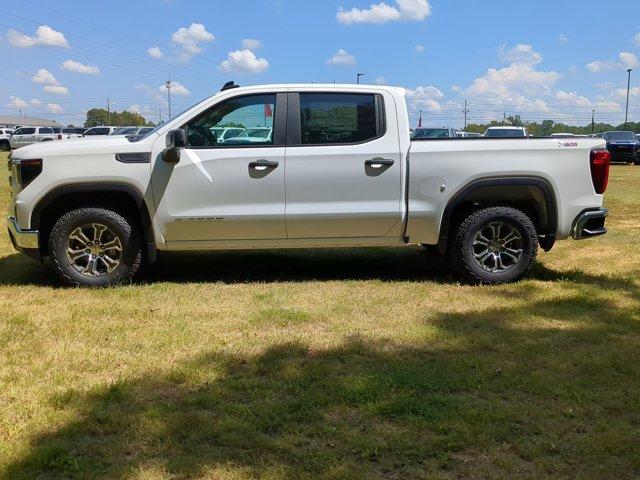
337, 170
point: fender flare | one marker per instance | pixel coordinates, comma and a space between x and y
93, 187
551, 227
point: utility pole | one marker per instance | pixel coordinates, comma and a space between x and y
504, 117
626, 115
593, 122
160, 116
358, 75
108, 111
168, 85
465, 111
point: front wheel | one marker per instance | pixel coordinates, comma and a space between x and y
494, 245
95, 247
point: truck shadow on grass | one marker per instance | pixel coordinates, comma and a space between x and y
384, 264
552, 391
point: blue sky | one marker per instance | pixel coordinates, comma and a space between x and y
539, 59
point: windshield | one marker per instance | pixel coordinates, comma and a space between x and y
621, 136
431, 133
504, 133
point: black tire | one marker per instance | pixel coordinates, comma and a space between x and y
130, 255
4, 146
466, 246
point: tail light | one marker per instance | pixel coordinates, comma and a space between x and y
599, 163
28, 170
59, 136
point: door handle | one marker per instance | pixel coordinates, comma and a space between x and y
378, 163
262, 165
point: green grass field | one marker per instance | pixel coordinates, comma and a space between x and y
366, 364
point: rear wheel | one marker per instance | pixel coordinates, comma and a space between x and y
95, 247
4, 146
494, 245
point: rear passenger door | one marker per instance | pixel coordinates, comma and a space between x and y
343, 175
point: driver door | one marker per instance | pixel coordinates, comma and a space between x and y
230, 190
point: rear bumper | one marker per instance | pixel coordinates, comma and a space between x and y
25, 241
590, 223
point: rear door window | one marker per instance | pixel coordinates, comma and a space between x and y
46, 130
339, 118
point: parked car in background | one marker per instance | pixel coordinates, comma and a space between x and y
623, 146
469, 135
252, 135
67, 133
428, 133
5, 133
506, 132
99, 131
28, 135
223, 134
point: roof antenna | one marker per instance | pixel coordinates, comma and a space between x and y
229, 86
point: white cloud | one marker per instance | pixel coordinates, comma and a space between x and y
628, 59
190, 38
521, 54
78, 67
34, 102
155, 52
380, 81
44, 77
572, 99
425, 98
56, 90
456, 88
517, 76
244, 61
637, 39
251, 44
45, 36
563, 38
408, 10
16, 102
342, 57
621, 93
176, 89
419, 48
599, 66
54, 108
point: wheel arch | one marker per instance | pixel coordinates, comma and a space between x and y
121, 197
534, 195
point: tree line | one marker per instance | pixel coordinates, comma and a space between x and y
100, 116
547, 127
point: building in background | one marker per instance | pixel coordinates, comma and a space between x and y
13, 121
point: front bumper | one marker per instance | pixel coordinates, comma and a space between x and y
25, 241
590, 223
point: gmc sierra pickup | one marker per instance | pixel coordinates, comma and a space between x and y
337, 169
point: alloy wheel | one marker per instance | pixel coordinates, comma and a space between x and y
94, 250
497, 247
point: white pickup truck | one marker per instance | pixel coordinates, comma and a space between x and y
338, 170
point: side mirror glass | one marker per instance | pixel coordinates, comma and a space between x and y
175, 141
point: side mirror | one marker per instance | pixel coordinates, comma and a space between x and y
175, 140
